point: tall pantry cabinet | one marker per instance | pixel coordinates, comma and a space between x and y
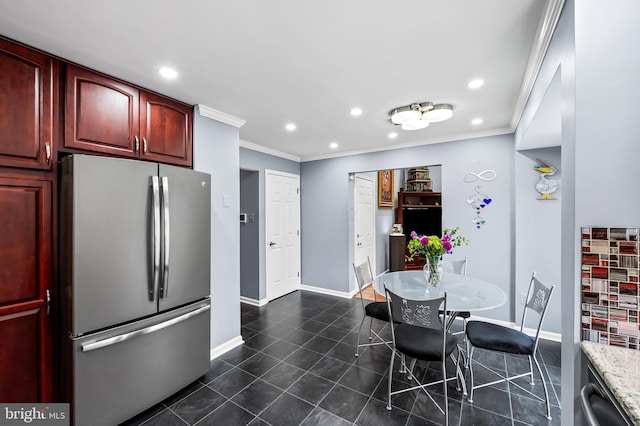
27, 184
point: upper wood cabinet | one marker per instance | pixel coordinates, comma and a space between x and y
165, 129
26, 113
107, 116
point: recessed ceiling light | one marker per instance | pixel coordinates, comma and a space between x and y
333, 145
356, 111
393, 135
168, 73
477, 121
474, 84
290, 127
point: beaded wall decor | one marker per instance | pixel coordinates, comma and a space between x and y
609, 280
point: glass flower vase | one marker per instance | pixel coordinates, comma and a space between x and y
433, 271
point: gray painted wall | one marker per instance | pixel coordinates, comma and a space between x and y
215, 151
259, 162
249, 248
327, 234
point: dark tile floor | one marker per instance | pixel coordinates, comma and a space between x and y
297, 367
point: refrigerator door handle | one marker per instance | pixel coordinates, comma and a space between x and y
155, 249
166, 224
91, 346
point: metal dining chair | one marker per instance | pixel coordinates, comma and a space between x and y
458, 267
503, 339
419, 332
373, 310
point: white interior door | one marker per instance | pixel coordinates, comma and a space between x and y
364, 214
282, 220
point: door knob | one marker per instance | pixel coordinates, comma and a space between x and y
272, 244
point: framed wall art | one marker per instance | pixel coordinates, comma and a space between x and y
385, 188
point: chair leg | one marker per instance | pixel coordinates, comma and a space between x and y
393, 355
444, 387
470, 366
370, 328
411, 368
460, 384
531, 382
359, 331
544, 385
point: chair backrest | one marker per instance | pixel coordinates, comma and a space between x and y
363, 278
455, 266
363, 274
538, 298
421, 313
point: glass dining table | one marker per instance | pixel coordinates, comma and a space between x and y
463, 293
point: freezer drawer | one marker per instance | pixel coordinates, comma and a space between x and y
120, 372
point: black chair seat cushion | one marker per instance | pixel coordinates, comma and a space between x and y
423, 343
377, 310
498, 338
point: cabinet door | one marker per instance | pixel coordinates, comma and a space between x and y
165, 127
25, 278
25, 107
101, 114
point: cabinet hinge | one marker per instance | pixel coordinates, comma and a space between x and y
297, 190
298, 232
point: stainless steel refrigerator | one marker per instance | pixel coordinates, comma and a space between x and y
135, 284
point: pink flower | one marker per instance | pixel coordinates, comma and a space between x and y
424, 241
414, 236
446, 244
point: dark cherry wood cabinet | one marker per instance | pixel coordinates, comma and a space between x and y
107, 116
26, 107
101, 114
25, 286
165, 128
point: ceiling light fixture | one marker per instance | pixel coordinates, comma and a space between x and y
333, 145
477, 121
356, 111
168, 73
290, 127
474, 84
418, 116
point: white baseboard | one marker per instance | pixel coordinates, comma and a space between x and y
342, 294
225, 347
254, 302
547, 335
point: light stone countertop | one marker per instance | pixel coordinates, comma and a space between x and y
620, 370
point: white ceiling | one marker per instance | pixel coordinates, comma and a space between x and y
279, 61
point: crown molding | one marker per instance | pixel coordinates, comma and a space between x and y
450, 138
543, 38
270, 151
223, 117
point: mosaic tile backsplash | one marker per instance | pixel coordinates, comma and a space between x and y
610, 272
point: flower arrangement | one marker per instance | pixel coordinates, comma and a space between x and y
433, 246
